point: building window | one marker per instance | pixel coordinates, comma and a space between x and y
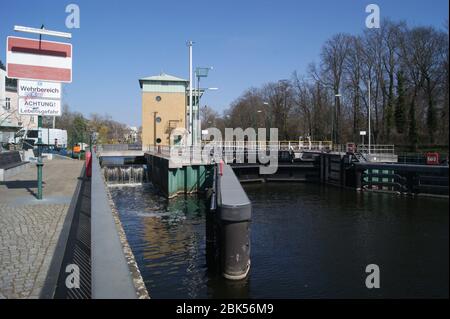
32, 119
158, 120
158, 140
158, 98
8, 104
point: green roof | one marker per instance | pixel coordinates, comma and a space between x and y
163, 77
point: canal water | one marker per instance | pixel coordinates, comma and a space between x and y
308, 241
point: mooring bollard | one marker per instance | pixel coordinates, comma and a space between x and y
234, 215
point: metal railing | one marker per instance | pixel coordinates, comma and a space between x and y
118, 147
254, 146
376, 149
278, 145
207, 152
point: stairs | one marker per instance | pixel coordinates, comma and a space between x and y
360, 157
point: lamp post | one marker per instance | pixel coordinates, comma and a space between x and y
189, 44
268, 119
154, 129
333, 111
369, 117
199, 126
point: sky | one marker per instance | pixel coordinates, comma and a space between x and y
248, 43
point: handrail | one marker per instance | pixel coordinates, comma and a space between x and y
119, 147
376, 148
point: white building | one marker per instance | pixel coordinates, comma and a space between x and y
132, 135
10, 119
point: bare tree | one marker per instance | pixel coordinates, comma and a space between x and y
333, 55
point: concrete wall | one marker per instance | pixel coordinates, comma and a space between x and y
110, 274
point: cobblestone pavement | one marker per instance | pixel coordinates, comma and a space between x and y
29, 229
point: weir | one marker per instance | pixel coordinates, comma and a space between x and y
124, 174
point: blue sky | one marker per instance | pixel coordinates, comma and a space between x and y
248, 43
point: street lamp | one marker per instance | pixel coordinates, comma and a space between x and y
268, 120
333, 111
369, 114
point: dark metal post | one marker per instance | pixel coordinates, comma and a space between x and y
39, 163
90, 142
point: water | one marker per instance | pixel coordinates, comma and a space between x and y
131, 174
308, 241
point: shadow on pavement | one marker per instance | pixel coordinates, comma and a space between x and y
26, 184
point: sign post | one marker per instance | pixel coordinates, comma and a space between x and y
362, 133
39, 163
34, 61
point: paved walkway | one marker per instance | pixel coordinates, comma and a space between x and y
29, 228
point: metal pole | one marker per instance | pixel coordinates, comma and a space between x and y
332, 121
198, 129
190, 90
39, 163
154, 129
369, 118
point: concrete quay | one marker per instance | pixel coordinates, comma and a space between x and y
30, 228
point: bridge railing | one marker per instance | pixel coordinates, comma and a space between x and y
277, 145
226, 149
118, 147
376, 149
180, 154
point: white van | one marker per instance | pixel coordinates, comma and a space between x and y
49, 136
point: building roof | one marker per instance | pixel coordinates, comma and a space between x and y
162, 77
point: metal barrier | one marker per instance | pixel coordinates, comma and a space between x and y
376, 149
118, 147
193, 154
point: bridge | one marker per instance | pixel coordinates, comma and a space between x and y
356, 166
119, 150
296, 150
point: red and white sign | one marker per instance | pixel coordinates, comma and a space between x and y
432, 158
38, 60
45, 107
